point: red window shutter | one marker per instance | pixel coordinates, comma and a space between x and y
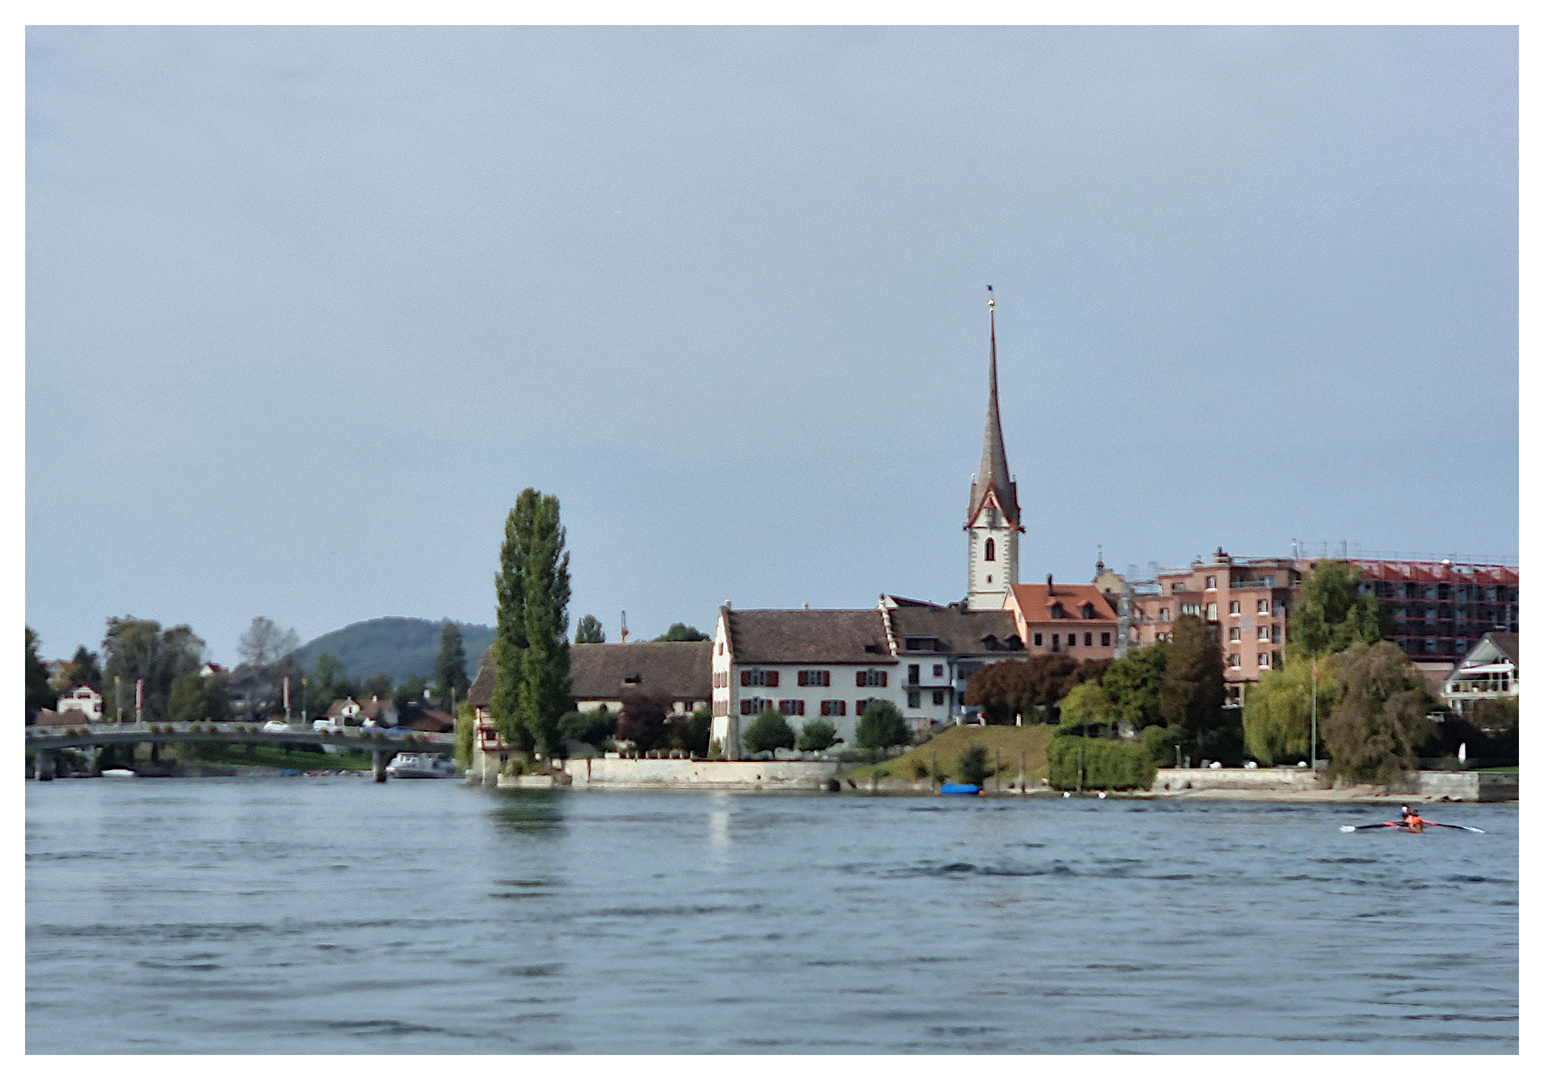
771, 678
803, 676
841, 708
745, 678
884, 678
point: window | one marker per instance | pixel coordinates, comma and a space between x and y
1264, 633
1179, 587
991, 550
1104, 638
1190, 609
814, 678
1233, 659
1276, 634
938, 697
791, 707
1039, 639
1163, 614
938, 671
872, 678
835, 708
1055, 642
913, 699
1211, 612
758, 678
752, 706
913, 673
1211, 582
1234, 634
1262, 607
1088, 637
1265, 660
1232, 607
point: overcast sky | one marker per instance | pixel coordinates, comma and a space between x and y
306, 309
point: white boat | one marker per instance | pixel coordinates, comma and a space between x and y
406, 766
118, 774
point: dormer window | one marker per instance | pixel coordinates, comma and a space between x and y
1087, 610
1057, 611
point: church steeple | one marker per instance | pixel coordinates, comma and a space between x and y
993, 520
994, 459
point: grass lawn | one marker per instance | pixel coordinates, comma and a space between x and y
1003, 744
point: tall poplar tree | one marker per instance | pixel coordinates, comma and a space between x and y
450, 666
530, 646
1190, 694
546, 689
509, 638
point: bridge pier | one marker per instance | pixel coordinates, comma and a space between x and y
43, 764
378, 765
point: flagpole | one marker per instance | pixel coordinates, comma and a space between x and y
1313, 738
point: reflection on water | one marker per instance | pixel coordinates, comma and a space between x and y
320, 916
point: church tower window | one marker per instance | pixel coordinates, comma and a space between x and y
991, 549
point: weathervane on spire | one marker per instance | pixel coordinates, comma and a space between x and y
991, 302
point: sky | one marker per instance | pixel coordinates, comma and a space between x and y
307, 308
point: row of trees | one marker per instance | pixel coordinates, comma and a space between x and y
880, 727
590, 631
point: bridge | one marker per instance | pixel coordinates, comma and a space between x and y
382, 746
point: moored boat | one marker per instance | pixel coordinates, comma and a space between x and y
407, 766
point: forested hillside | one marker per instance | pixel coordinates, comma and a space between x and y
395, 646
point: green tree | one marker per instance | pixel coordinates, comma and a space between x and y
1190, 695
769, 731
376, 686
817, 735
1332, 614
971, 766
1087, 705
682, 632
1379, 724
466, 731
329, 683
196, 697
530, 646
450, 666
594, 727
589, 631
698, 730
881, 726
1278, 713
1132, 684
86, 671
39, 694
1028, 687
140, 649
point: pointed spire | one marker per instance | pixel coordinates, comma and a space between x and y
994, 459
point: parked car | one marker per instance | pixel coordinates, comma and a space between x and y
278, 726
327, 724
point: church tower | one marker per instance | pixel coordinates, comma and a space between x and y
993, 520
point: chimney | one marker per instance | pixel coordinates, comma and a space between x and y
1050, 586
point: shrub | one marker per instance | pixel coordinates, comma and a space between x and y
881, 726
919, 769
642, 723
698, 729
817, 735
593, 727
768, 732
1160, 743
971, 766
1117, 766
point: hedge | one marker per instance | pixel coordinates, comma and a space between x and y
1107, 764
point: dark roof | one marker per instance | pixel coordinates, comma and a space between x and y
668, 670
956, 631
481, 690
799, 636
1507, 643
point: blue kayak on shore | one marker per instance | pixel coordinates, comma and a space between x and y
959, 789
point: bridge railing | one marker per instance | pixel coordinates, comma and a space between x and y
363, 737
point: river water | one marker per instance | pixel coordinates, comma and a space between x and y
296, 915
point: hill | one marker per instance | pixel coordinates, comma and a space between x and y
1003, 744
395, 646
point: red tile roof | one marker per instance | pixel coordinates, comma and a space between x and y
1036, 602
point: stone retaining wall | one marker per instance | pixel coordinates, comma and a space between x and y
725, 775
1461, 786
1236, 780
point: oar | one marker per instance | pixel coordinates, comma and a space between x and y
1401, 825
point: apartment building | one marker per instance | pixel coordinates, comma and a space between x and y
1246, 603
1441, 610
